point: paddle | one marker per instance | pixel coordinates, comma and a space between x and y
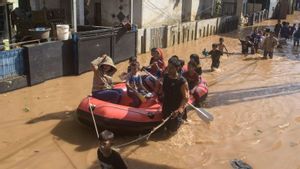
203, 114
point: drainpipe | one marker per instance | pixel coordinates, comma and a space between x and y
74, 15
213, 8
131, 12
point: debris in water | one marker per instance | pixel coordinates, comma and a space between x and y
293, 144
239, 164
284, 126
256, 142
26, 109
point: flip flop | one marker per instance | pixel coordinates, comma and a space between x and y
239, 164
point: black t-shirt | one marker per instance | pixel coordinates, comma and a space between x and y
172, 94
114, 161
215, 55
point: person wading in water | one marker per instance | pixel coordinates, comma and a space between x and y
176, 95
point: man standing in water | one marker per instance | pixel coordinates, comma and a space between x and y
176, 95
269, 44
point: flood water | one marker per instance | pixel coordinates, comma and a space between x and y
255, 104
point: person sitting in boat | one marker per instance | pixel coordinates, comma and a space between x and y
156, 68
104, 68
135, 88
195, 58
181, 68
123, 76
109, 158
176, 95
194, 79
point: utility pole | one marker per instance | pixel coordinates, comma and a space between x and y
131, 12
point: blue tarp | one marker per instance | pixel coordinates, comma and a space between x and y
11, 63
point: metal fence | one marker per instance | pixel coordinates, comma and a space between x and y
11, 63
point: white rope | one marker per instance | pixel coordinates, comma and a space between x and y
147, 136
93, 117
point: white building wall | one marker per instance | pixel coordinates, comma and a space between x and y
195, 14
161, 12
113, 12
273, 4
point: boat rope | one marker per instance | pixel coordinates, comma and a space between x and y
93, 117
147, 136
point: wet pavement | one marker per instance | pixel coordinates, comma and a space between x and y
255, 103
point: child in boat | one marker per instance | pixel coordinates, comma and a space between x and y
222, 46
215, 57
195, 58
123, 75
135, 87
193, 79
156, 68
104, 69
108, 158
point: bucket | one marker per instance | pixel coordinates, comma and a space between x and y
40, 33
63, 32
6, 44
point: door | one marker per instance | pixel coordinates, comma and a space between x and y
98, 14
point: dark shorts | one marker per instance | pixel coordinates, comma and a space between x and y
174, 124
266, 53
111, 95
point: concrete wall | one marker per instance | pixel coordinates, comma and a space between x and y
205, 8
161, 12
271, 9
113, 12
193, 9
253, 8
171, 35
195, 13
186, 10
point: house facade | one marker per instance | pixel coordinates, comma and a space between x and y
148, 13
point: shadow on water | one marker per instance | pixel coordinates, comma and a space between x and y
243, 95
70, 130
137, 164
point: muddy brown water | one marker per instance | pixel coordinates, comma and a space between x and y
255, 104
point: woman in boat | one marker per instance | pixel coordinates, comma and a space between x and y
104, 69
194, 79
176, 95
156, 68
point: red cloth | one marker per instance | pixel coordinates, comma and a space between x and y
161, 63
